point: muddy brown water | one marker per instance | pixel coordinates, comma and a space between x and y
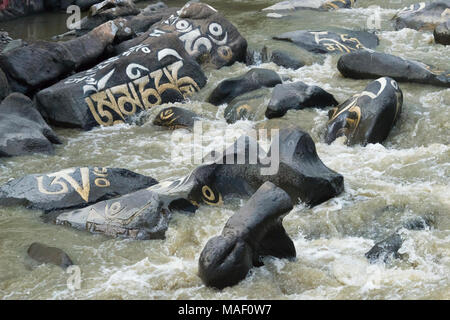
385, 184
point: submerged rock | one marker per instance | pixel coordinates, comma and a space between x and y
367, 117
285, 59
206, 34
370, 64
175, 118
249, 106
442, 33
255, 231
341, 41
71, 188
423, 16
254, 79
155, 72
44, 254
297, 95
23, 131
42, 63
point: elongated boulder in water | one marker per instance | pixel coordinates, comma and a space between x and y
369, 116
339, 41
175, 118
23, 131
389, 247
442, 33
71, 188
254, 79
248, 106
206, 34
297, 96
370, 64
255, 231
44, 254
423, 15
310, 4
42, 63
155, 72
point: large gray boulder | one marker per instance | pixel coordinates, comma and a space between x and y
423, 15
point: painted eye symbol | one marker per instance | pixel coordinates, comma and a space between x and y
183, 26
215, 29
209, 197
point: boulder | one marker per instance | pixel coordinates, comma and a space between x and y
42, 63
5, 90
337, 4
369, 116
339, 41
255, 231
175, 118
297, 96
44, 254
249, 106
155, 72
254, 79
23, 131
285, 60
423, 16
442, 33
370, 64
11, 9
71, 188
206, 34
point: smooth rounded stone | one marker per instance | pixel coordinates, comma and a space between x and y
297, 96
338, 41
71, 188
254, 79
369, 64
42, 63
249, 106
5, 89
141, 215
44, 254
284, 59
389, 247
175, 118
12, 9
423, 16
23, 131
369, 116
157, 71
442, 33
207, 36
252, 233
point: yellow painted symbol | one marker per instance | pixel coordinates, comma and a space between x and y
63, 177
210, 198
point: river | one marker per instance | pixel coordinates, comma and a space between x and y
385, 185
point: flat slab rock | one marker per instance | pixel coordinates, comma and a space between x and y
72, 188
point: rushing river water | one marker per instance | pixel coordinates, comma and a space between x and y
385, 185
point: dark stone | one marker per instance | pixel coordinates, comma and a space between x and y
5, 39
388, 248
423, 16
254, 79
371, 65
206, 34
341, 41
255, 231
43, 63
11, 9
5, 90
155, 72
44, 254
442, 33
175, 118
72, 188
367, 117
249, 106
22, 129
284, 59
297, 96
